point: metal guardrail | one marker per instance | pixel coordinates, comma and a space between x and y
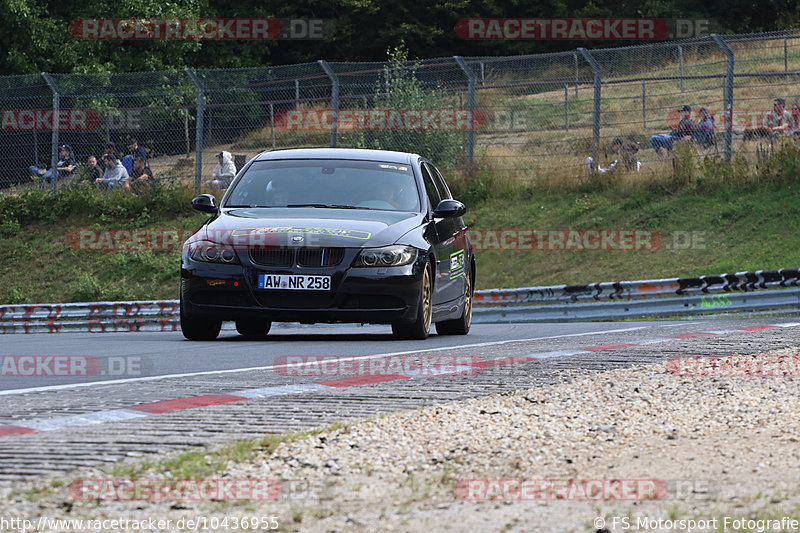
99, 317
725, 293
628, 290
754, 302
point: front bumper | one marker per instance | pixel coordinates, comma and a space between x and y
379, 295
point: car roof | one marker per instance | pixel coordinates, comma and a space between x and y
387, 156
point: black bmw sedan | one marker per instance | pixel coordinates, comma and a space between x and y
330, 235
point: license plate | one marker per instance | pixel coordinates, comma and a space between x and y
294, 282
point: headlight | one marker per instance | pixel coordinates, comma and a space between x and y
396, 255
212, 252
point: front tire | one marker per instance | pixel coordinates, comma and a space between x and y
199, 329
459, 326
253, 327
421, 327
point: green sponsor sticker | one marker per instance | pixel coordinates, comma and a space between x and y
456, 264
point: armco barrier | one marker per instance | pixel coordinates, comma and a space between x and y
629, 290
596, 301
753, 302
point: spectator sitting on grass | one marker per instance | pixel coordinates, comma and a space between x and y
91, 172
616, 145
629, 157
115, 174
224, 172
110, 148
704, 131
794, 122
66, 166
141, 178
778, 120
686, 128
137, 151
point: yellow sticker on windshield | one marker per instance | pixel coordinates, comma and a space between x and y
393, 167
334, 232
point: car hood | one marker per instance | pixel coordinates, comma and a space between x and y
347, 228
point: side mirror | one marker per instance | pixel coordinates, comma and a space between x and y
205, 203
449, 209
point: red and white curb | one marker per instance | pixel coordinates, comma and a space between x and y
180, 404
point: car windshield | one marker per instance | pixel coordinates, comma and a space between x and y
338, 184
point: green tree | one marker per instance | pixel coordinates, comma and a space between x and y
400, 89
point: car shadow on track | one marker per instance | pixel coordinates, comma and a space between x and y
315, 337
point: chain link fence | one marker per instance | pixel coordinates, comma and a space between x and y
533, 118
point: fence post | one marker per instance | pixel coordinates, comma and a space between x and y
727, 94
786, 58
54, 138
598, 80
680, 64
577, 78
566, 107
186, 131
198, 135
296, 94
334, 99
644, 104
470, 107
272, 123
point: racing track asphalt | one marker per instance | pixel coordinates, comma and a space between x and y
168, 353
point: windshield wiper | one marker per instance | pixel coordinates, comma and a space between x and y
326, 206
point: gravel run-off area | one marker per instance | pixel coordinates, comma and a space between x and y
660, 446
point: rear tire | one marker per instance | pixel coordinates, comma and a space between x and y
421, 327
459, 326
199, 329
253, 327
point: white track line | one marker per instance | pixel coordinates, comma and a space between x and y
271, 367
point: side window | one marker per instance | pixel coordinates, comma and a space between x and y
430, 186
440, 184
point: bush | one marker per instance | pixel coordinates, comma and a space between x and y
783, 165
46, 205
89, 289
